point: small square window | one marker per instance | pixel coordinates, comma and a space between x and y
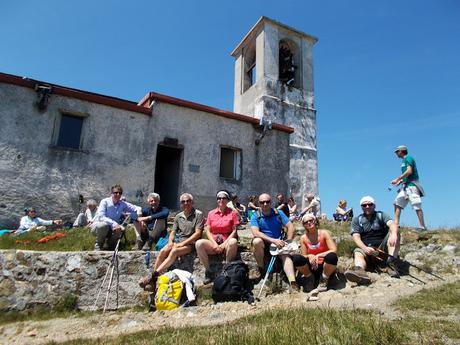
230, 163
70, 131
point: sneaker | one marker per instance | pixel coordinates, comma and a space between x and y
322, 286
392, 268
148, 282
420, 229
357, 275
294, 288
208, 277
97, 247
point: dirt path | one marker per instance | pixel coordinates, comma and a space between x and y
377, 296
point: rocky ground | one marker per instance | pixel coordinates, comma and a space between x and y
440, 254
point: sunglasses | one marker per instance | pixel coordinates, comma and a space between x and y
265, 202
221, 198
309, 221
367, 205
185, 201
119, 193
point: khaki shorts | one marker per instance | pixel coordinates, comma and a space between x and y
409, 194
383, 246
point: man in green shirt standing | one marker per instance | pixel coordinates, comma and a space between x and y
411, 190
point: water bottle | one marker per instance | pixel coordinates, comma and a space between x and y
147, 258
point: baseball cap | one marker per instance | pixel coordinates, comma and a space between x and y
401, 148
367, 200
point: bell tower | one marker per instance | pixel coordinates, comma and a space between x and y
274, 82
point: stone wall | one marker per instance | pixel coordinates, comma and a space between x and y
31, 278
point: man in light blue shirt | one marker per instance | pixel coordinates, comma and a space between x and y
109, 218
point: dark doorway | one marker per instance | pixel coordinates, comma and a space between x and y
167, 170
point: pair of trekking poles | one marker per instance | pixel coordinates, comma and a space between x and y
383, 256
113, 266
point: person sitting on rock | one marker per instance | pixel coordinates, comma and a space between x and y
221, 235
152, 223
293, 213
252, 206
312, 205
30, 222
107, 225
239, 208
267, 228
87, 218
372, 231
319, 253
342, 214
187, 228
282, 204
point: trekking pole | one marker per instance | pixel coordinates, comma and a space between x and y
269, 269
112, 264
405, 261
111, 270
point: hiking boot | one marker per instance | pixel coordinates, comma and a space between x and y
323, 284
392, 268
357, 275
147, 246
139, 244
258, 275
208, 277
294, 288
148, 283
307, 283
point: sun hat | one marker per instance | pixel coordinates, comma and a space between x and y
367, 200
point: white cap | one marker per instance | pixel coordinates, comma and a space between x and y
367, 200
401, 148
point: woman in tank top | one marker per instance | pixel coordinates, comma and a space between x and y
319, 253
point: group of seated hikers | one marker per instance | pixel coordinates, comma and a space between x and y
374, 233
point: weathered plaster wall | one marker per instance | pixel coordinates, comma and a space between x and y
264, 166
115, 149
119, 146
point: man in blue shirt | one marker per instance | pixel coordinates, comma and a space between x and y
109, 217
152, 223
267, 228
411, 190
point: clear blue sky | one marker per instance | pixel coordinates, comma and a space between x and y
386, 73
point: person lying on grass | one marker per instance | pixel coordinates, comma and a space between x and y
30, 222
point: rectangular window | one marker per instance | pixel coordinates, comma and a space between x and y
252, 75
70, 131
230, 163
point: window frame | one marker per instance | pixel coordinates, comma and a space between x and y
237, 163
57, 129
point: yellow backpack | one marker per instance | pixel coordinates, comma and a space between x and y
169, 292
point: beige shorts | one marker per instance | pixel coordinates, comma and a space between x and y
409, 194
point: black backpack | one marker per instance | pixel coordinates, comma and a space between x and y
232, 284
